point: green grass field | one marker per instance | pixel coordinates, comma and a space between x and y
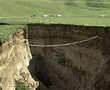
76, 12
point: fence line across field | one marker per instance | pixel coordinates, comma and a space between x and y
80, 2
76, 1
49, 16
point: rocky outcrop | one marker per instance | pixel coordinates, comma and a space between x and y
15, 56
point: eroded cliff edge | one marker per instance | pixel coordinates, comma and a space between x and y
15, 56
84, 66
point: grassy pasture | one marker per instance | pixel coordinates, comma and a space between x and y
76, 12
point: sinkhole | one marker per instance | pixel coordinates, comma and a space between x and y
67, 57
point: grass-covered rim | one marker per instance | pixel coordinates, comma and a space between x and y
7, 30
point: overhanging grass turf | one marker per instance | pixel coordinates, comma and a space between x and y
7, 30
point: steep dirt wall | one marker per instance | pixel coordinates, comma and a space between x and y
15, 56
82, 66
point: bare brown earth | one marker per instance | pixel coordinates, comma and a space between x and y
14, 60
84, 66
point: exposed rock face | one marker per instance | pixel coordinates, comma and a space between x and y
14, 61
84, 66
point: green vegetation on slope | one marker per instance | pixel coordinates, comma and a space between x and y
7, 30
21, 86
78, 12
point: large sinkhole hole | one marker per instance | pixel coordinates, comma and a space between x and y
84, 66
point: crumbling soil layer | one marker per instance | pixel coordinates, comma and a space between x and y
82, 66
